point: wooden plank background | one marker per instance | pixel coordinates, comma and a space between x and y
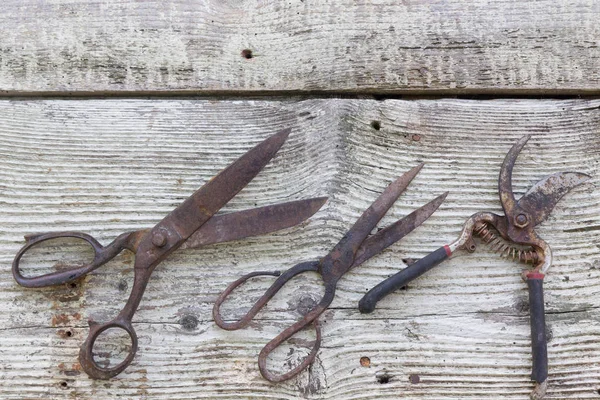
383, 46
107, 166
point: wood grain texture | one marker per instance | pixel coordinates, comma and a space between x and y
449, 46
107, 166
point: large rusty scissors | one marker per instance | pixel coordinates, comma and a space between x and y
517, 228
190, 225
353, 249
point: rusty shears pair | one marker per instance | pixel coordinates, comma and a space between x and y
517, 228
352, 250
193, 224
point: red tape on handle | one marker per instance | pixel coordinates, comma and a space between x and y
448, 251
535, 275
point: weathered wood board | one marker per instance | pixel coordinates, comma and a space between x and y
108, 166
448, 46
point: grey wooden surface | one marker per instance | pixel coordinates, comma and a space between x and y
106, 166
300, 45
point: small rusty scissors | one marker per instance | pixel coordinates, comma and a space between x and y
354, 249
516, 227
189, 225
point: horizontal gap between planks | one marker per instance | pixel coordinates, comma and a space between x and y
277, 95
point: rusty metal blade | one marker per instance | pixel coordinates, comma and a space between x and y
507, 197
254, 222
539, 201
372, 215
392, 233
206, 201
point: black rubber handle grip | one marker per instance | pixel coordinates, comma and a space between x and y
539, 351
369, 301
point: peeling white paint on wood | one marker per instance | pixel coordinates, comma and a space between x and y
300, 45
107, 166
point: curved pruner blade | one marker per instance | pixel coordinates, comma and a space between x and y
539, 201
507, 197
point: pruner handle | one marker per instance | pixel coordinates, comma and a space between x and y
369, 301
539, 350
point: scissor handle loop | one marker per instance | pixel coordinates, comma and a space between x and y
101, 256
54, 278
312, 266
310, 318
86, 355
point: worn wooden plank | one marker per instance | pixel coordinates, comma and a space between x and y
104, 167
446, 46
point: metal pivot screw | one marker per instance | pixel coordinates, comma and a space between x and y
159, 239
521, 221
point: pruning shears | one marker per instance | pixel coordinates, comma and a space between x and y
517, 239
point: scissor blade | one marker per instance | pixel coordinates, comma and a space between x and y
206, 201
505, 190
539, 201
372, 215
254, 222
392, 233
344, 253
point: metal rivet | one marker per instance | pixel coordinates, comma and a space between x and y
521, 220
159, 239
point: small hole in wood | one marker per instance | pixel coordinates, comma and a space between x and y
69, 333
64, 385
376, 125
247, 54
549, 334
72, 285
189, 322
383, 379
122, 285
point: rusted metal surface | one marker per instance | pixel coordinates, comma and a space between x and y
352, 250
520, 217
254, 222
396, 231
504, 248
516, 227
541, 198
193, 220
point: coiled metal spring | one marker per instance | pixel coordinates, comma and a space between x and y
498, 245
